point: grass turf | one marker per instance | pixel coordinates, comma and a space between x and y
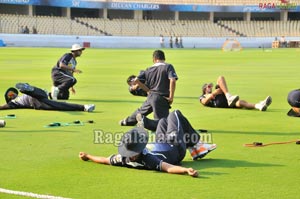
45, 160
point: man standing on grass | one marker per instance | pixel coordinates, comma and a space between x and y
161, 83
62, 74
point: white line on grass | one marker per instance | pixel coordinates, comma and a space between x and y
29, 194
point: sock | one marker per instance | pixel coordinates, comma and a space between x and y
257, 106
228, 95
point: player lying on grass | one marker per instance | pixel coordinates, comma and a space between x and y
294, 101
221, 98
172, 137
36, 98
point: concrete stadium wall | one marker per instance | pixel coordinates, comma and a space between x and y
28, 40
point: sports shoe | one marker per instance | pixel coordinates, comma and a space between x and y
122, 122
89, 107
263, 105
201, 149
232, 100
140, 120
24, 87
54, 92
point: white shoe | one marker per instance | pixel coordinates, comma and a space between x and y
140, 120
263, 105
54, 92
232, 100
89, 107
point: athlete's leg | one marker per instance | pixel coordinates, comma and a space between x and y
32, 91
145, 110
223, 86
61, 106
244, 104
159, 105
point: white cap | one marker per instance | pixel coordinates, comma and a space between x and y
76, 47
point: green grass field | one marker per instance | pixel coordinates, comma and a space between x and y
45, 160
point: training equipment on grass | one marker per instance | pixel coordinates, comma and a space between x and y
74, 123
10, 116
260, 144
2, 123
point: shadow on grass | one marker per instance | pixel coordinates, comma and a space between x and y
109, 101
253, 132
225, 163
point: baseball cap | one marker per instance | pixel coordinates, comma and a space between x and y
133, 142
76, 47
9, 94
294, 100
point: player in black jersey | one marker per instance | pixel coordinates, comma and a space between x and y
160, 83
62, 74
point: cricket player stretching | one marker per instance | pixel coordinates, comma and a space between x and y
173, 136
62, 74
161, 83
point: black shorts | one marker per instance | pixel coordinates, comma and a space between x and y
221, 101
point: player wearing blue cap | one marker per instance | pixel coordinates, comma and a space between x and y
294, 101
173, 136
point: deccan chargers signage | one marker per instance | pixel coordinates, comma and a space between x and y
264, 6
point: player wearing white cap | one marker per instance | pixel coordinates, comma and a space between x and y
62, 74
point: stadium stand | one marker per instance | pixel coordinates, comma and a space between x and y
135, 27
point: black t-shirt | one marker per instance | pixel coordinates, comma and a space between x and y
157, 78
68, 60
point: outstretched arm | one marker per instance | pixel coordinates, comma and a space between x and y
5, 106
97, 159
169, 168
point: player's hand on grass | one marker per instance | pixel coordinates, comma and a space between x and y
192, 172
83, 156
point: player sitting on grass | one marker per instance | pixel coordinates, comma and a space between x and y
173, 136
221, 98
36, 98
294, 100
